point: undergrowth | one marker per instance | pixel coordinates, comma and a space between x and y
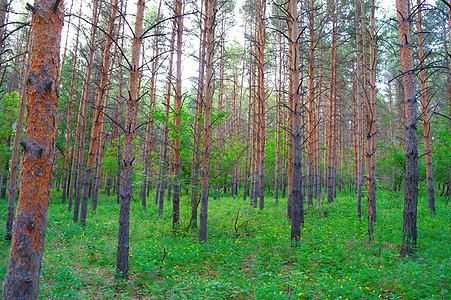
248, 254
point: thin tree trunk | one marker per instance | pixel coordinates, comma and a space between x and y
98, 116
30, 224
311, 106
425, 114
123, 246
261, 99
165, 141
178, 118
206, 143
17, 138
85, 100
409, 230
149, 128
297, 202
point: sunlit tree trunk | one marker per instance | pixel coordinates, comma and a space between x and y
131, 114
206, 143
30, 224
409, 230
424, 111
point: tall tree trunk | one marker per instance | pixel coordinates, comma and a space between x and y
332, 129
165, 141
123, 245
409, 230
98, 116
30, 224
119, 109
371, 131
261, 99
17, 138
149, 128
425, 114
197, 120
68, 152
178, 118
85, 100
311, 105
297, 202
206, 143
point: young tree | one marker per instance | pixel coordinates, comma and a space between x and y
409, 230
123, 246
29, 229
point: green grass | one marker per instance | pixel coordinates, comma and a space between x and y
256, 260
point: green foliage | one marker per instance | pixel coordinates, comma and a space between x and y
248, 254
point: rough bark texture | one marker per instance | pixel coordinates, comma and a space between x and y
409, 230
123, 246
297, 201
425, 113
206, 143
27, 244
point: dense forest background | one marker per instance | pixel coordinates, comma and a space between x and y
272, 104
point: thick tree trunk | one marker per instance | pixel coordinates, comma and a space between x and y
425, 114
123, 246
409, 230
206, 143
29, 229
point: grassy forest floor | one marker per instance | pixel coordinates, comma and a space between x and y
248, 254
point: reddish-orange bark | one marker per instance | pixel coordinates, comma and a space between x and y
29, 229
